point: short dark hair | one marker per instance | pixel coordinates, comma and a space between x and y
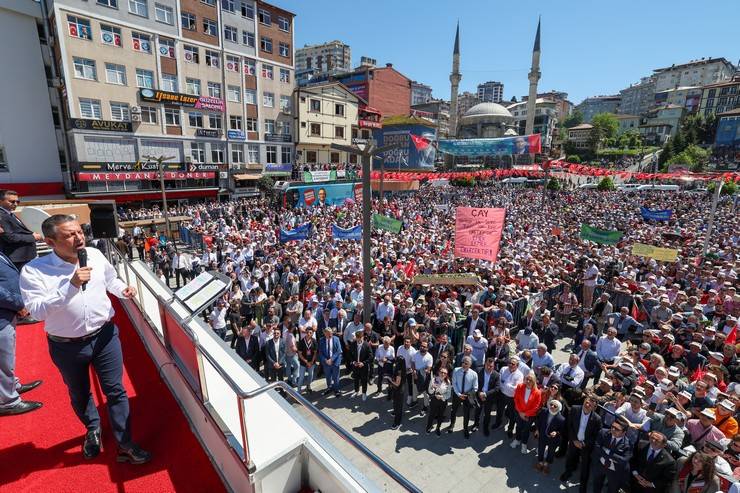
49, 226
4, 193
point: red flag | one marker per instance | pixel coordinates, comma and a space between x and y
731, 336
635, 312
409, 269
419, 142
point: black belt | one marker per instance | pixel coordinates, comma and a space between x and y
80, 339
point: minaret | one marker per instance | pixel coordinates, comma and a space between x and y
534, 77
455, 78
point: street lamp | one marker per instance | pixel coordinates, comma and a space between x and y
367, 150
160, 166
710, 223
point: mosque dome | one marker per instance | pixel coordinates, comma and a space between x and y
487, 109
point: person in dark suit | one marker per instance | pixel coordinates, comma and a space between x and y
248, 347
611, 458
275, 356
472, 323
529, 321
550, 429
499, 351
10, 304
653, 467
396, 382
588, 361
442, 346
17, 241
360, 360
330, 354
489, 386
583, 428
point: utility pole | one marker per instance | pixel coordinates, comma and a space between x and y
382, 179
710, 224
367, 150
160, 166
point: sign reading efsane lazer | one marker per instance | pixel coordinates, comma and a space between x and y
478, 232
185, 100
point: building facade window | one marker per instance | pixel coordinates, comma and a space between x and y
284, 50
195, 119
167, 48
232, 63
269, 126
192, 86
79, 27
285, 75
248, 10
172, 117
316, 129
210, 27
250, 66
169, 82
188, 21
311, 157
141, 42
3, 160
284, 127
235, 122
285, 104
214, 90
266, 44
339, 132
268, 99
214, 121
115, 74
90, 108
228, 5
213, 59
253, 153
338, 109
138, 7
144, 78
315, 106
110, 35
231, 34
198, 152
237, 153
283, 24
119, 112
286, 155
334, 158
252, 125
217, 153
85, 68
264, 17
148, 114
108, 3
250, 96
267, 72
248, 38
191, 54
164, 14
271, 154
233, 94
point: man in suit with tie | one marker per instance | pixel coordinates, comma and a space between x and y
611, 458
330, 353
464, 385
18, 242
588, 361
489, 386
499, 351
248, 347
472, 323
442, 346
10, 304
360, 360
275, 361
653, 467
583, 428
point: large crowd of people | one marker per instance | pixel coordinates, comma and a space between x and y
647, 399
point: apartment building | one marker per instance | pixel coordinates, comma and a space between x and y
207, 85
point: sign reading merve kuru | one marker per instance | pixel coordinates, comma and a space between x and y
102, 125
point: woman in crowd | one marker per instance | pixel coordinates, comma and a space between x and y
440, 389
696, 474
527, 398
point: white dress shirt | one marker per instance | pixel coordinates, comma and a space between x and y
406, 354
570, 376
510, 380
382, 352
69, 311
581, 435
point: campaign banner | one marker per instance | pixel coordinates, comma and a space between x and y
415, 146
478, 232
327, 194
319, 176
299, 233
447, 279
522, 144
657, 253
387, 223
346, 234
656, 214
602, 236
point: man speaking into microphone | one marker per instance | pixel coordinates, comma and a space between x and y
67, 289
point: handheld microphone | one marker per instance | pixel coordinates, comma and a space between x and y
82, 257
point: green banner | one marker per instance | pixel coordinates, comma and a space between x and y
603, 236
386, 223
319, 176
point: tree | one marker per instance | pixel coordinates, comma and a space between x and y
574, 158
678, 143
606, 184
265, 183
693, 156
575, 118
607, 124
554, 184
728, 188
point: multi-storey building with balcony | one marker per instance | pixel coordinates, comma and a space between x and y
207, 85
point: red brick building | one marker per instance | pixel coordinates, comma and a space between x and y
384, 88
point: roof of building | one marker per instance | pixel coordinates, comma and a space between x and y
487, 109
582, 126
312, 87
692, 63
729, 82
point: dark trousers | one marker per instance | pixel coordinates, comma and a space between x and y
181, 274
523, 426
572, 458
360, 378
485, 408
386, 369
104, 353
410, 383
614, 480
275, 374
456, 401
546, 448
505, 407
436, 412
397, 405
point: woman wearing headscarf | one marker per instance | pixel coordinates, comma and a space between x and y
550, 430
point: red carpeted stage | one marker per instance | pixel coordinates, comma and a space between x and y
41, 451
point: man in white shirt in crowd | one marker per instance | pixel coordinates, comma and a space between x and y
511, 376
479, 345
607, 349
407, 352
384, 356
217, 319
590, 278
422, 365
571, 375
73, 302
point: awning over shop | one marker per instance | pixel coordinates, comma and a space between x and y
248, 176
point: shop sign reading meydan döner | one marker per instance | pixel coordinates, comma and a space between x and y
179, 99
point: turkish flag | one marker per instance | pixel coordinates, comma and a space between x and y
731, 336
419, 142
